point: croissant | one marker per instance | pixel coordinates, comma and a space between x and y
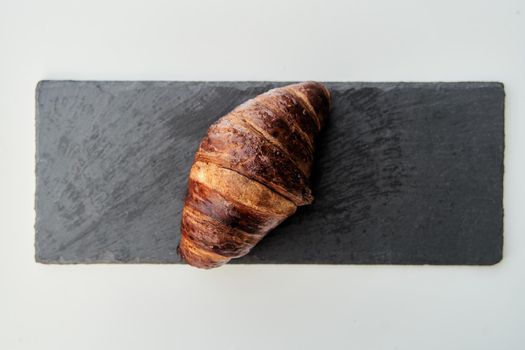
251, 172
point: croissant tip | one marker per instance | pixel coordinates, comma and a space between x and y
326, 92
196, 257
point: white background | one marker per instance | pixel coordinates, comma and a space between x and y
256, 307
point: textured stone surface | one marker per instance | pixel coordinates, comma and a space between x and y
406, 173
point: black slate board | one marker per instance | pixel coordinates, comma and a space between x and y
406, 173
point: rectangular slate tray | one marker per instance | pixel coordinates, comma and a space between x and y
406, 173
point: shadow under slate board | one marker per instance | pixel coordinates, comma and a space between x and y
406, 173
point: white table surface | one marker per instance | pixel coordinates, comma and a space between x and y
256, 307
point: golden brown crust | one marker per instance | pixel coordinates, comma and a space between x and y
197, 256
234, 145
279, 131
316, 96
251, 171
239, 188
288, 106
212, 235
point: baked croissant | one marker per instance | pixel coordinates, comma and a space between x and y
251, 172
